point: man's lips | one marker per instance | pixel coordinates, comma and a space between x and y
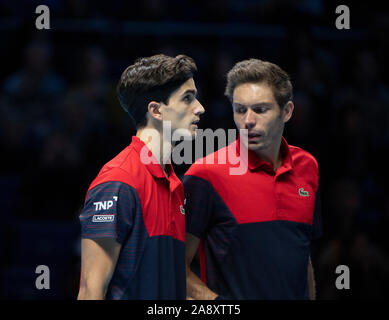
254, 136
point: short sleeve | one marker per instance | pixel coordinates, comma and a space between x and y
198, 206
109, 211
317, 228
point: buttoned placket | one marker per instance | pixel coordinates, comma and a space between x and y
168, 184
269, 170
280, 172
172, 215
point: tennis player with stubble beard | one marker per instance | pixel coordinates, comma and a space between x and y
249, 235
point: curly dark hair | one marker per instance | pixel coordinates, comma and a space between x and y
152, 78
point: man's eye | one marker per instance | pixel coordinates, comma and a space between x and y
240, 110
260, 110
188, 98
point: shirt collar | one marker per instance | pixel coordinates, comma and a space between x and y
254, 161
153, 166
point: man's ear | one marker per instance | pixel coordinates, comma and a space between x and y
153, 109
288, 111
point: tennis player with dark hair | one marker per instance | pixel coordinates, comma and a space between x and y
252, 232
133, 222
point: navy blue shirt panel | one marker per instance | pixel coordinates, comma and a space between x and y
167, 281
274, 267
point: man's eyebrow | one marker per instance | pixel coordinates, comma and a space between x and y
262, 104
239, 105
256, 105
192, 91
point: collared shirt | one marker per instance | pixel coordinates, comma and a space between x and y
255, 228
134, 202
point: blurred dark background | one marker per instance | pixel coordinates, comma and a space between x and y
60, 120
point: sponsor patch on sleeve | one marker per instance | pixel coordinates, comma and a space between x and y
103, 218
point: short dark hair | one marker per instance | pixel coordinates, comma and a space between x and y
257, 71
152, 78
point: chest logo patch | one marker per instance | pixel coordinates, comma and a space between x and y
303, 193
182, 209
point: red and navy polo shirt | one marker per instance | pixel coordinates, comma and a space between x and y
136, 204
255, 228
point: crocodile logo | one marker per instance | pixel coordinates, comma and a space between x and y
303, 193
182, 209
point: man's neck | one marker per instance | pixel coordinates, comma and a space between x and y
161, 147
272, 155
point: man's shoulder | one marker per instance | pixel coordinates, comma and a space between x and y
124, 167
215, 163
302, 157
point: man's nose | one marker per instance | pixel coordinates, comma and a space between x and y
199, 109
249, 119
